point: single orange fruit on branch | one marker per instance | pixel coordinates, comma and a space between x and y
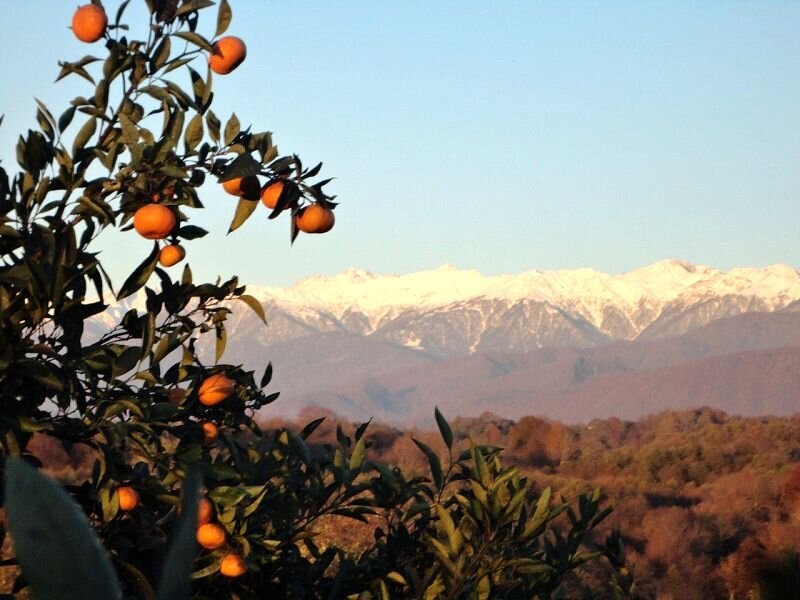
210, 432
171, 255
89, 23
271, 193
205, 510
314, 218
128, 498
229, 52
215, 389
154, 221
210, 536
232, 565
246, 187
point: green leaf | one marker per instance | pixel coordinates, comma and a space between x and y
396, 577
193, 5
191, 232
66, 118
444, 428
539, 517
148, 336
130, 133
241, 166
213, 123
194, 132
161, 55
176, 581
232, 128
359, 452
140, 274
433, 460
225, 495
244, 208
453, 536
223, 18
255, 305
84, 134
59, 553
196, 39
101, 95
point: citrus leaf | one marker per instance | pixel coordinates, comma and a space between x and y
444, 428
196, 39
193, 5
140, 274
244, 209
194, 132
161, 55
433, 460
232, 128
359, 452
256, 306
66, 118
176, 581
223, 17
241, 166
59, 553
191, 232
213, 124
267, 377
84, 134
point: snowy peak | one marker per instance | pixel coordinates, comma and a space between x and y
661, 282
455, 311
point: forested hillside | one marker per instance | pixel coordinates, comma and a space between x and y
708, 504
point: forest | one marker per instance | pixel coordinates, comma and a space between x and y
707, 504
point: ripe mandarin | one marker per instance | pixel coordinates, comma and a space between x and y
246, 187
232, 565
229, 52
205, 510
89, 23
314, 218
271, 193
128, 498
171, 255
210, 432
154, 221
210, 536
215, 389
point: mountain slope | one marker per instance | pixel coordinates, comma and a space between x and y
450, 312
544, 380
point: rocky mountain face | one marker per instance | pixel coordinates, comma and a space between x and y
383, 345
450, 312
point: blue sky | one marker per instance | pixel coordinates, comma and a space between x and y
497, 136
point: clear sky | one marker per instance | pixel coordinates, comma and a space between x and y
500, 136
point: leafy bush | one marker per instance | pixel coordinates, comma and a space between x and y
472, 529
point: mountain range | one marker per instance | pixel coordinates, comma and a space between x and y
572, 345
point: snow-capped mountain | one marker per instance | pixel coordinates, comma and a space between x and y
448, 311
565, 344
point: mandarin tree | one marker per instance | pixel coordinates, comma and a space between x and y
157, 416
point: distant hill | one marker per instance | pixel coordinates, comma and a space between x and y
746, 365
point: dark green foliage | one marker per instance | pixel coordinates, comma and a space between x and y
129, 398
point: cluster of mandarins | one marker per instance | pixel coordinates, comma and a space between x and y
314, 218
214, 390
157, 221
